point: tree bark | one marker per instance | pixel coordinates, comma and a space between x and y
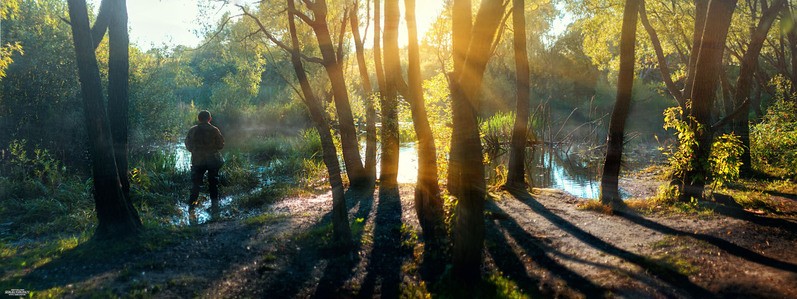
461, 26
390, 128
370, 112
701, 8
610, 192
340, 223
380, 72
118, 86
517, 154
708, 65
469, 223
744, 82
663, 67
115, 216
348, 132
428, 204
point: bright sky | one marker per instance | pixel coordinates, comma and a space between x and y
154, 23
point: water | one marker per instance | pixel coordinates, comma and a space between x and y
547, 167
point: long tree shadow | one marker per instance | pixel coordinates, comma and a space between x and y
341, 269
383, 276
670, 276
729, 247
727, 206
508, 262
151, 251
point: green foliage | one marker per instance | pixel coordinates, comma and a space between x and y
438, 107
679, 158
725, 159
773, 142
497, 131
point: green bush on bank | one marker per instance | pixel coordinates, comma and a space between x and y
773, 142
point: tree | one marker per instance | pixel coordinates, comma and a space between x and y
340, 223
428, 203
116, 216
389, 101
749, 65
610, 193
466, 145
517, 155
370, 112
461, 25
118, 86
703, 93
7, 9
334, 69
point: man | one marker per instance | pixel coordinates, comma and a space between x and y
204, 142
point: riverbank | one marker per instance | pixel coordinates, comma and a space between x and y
539, 244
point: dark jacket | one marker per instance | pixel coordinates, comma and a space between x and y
204, 142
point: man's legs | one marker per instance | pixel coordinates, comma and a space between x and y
213, 182
197, 173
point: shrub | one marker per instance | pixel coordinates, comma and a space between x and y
773, 142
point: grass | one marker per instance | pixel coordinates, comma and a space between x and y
595, 206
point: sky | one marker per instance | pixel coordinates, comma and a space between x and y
155, 23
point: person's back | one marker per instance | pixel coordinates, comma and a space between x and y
204, 142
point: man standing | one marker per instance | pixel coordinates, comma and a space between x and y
204, 142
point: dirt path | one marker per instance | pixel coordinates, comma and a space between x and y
541, 241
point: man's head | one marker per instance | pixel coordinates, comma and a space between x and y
204, 116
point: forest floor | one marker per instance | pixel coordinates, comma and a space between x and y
538, 244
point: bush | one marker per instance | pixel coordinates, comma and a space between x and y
773, 142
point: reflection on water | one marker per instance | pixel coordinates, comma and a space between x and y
408, 162
549, 167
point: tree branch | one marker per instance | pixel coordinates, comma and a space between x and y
275, 40
305, 18
342, 34
665, 70
727, 119
101, 23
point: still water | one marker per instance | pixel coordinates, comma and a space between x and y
547, 167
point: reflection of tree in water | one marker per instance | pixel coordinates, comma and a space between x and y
551, 167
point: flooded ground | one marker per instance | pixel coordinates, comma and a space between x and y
546, 166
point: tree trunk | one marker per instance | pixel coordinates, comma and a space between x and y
390, 128
118, 77
744, 83
709, 64
115, 215
340, 223
469, 224
370, 112
461, 26
663, 68
701, 8
610, 192
428, 203
380, 72
348, 132
517, 154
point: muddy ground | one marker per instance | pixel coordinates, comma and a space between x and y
541, 241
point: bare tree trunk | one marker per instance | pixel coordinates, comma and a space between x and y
380, 72
709, 64
348, 132
663, 68
744, 83
428, 203
370, 112
115, 215
118, 86
469, 223
461, 24
340, 223
701, 8
390, 128
610, 192
517, 154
